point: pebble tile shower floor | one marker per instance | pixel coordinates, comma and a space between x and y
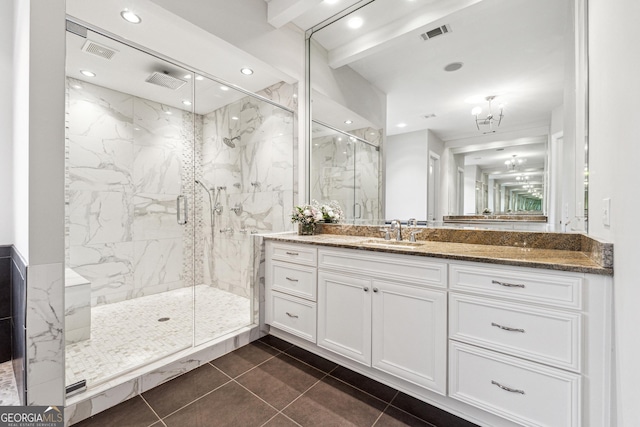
127, 334
273, 383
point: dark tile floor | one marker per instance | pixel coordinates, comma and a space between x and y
272, 383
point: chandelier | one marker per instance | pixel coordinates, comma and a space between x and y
490, 119
514, 164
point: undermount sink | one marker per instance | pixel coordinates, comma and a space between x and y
391, 244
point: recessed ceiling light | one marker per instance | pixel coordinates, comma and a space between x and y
131, 17
224, 88
402, 125
168, 112
246, 71
185, 102
87, 73
199, 78
355, 22
454, 66
187, 76
234, 118
76, 86
348, 122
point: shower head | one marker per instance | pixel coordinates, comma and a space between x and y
229, 141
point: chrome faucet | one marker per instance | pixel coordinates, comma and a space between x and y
397, 227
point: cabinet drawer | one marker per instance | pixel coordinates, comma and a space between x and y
297, 280
291, 314
299, 254
404, 268
531, 286
524, 392
542, 335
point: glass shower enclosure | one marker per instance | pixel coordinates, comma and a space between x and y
345, 167
169, 173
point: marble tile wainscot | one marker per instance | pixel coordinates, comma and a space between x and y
361, 302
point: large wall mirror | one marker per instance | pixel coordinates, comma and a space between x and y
452, 111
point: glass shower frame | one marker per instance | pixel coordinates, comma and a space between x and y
189, 202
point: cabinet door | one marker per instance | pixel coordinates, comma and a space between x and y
410, 333
344, 315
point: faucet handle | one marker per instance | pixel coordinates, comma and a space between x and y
412, 222
412, 235
387, 236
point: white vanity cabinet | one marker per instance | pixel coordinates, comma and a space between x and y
499, 345
291, 289
387, 311
518, 339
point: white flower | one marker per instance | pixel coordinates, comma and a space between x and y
306, 212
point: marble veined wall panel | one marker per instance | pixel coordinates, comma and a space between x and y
258, 176
125, 169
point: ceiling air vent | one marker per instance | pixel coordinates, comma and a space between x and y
436, 32
98, 49
165, 80
78, 29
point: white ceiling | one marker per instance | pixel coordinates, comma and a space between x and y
161, 30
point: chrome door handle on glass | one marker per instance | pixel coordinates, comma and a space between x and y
181, 221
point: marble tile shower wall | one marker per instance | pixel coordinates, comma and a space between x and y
124, 171
258, 177
348, 172
127, 161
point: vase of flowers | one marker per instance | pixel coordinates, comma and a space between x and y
331, 212
307, 216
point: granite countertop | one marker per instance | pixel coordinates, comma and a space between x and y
566, 258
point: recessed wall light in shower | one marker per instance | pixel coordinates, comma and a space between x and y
246, 71
234, 118
130, 17
185, 102
87, 73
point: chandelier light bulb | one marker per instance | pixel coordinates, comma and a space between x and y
476, 111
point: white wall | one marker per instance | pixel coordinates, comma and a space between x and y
20, 140
406, 176
613, 160
6, 126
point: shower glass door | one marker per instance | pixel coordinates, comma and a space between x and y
244, 187
129, 192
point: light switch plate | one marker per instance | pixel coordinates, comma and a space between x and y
606, 212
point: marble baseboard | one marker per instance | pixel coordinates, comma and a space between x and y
98, 399
45, 343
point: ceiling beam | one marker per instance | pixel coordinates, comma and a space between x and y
281, 12
374, 41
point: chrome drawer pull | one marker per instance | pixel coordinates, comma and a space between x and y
506, 328
512, 390
295, 316
291, 280
292, 253
508, 285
